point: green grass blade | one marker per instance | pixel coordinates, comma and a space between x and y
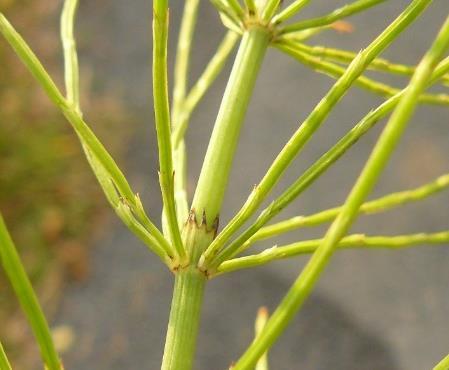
350, 242
312, 123
377, 161
30, 305
162, 120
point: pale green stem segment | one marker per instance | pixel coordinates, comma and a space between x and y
378, 64
4, 362
71, 76
337, 14
220, 152
352, 241
301, 53
182, 62
162, 120
108, 174
209, 75
443, 364
184, 320
310, 125
321, 165
270, 9
30, 305
187, 300
376, 163
229, 18
290, 11
71, 70
251, 6
236, 7
261, 321
374, 206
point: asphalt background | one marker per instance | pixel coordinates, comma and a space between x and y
371, 310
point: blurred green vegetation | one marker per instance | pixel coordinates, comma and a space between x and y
48, 195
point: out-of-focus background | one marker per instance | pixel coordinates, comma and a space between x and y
108, 299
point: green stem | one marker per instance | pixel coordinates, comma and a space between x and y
18, 278
261, 321
377, 161
209, 75
443, 364
220, 152
71, 70
187, 299
182, 62
302, 54
184, 320
374, 206
337, 14
346, 57
290, 11
351, 241
4, 362
162, 120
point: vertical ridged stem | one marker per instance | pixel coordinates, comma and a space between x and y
220, 152
184, 320
180, 343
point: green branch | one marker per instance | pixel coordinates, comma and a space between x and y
377, 161
301, 53
322, 164
290, 11
223, 142
349, 242
182, 62
346, 57
337, 14
261, 321
207, 78
162, 120
374, 206
309, 126
28, 300
110, 177
443, 364
4, 362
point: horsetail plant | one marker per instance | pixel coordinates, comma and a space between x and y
190, 242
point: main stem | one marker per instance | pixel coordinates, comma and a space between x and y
220, 152
184, 320
201, 227
187, 300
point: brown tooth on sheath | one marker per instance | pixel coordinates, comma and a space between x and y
203, 219
192, 216
215, 225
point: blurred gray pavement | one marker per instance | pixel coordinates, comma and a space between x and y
372, 310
